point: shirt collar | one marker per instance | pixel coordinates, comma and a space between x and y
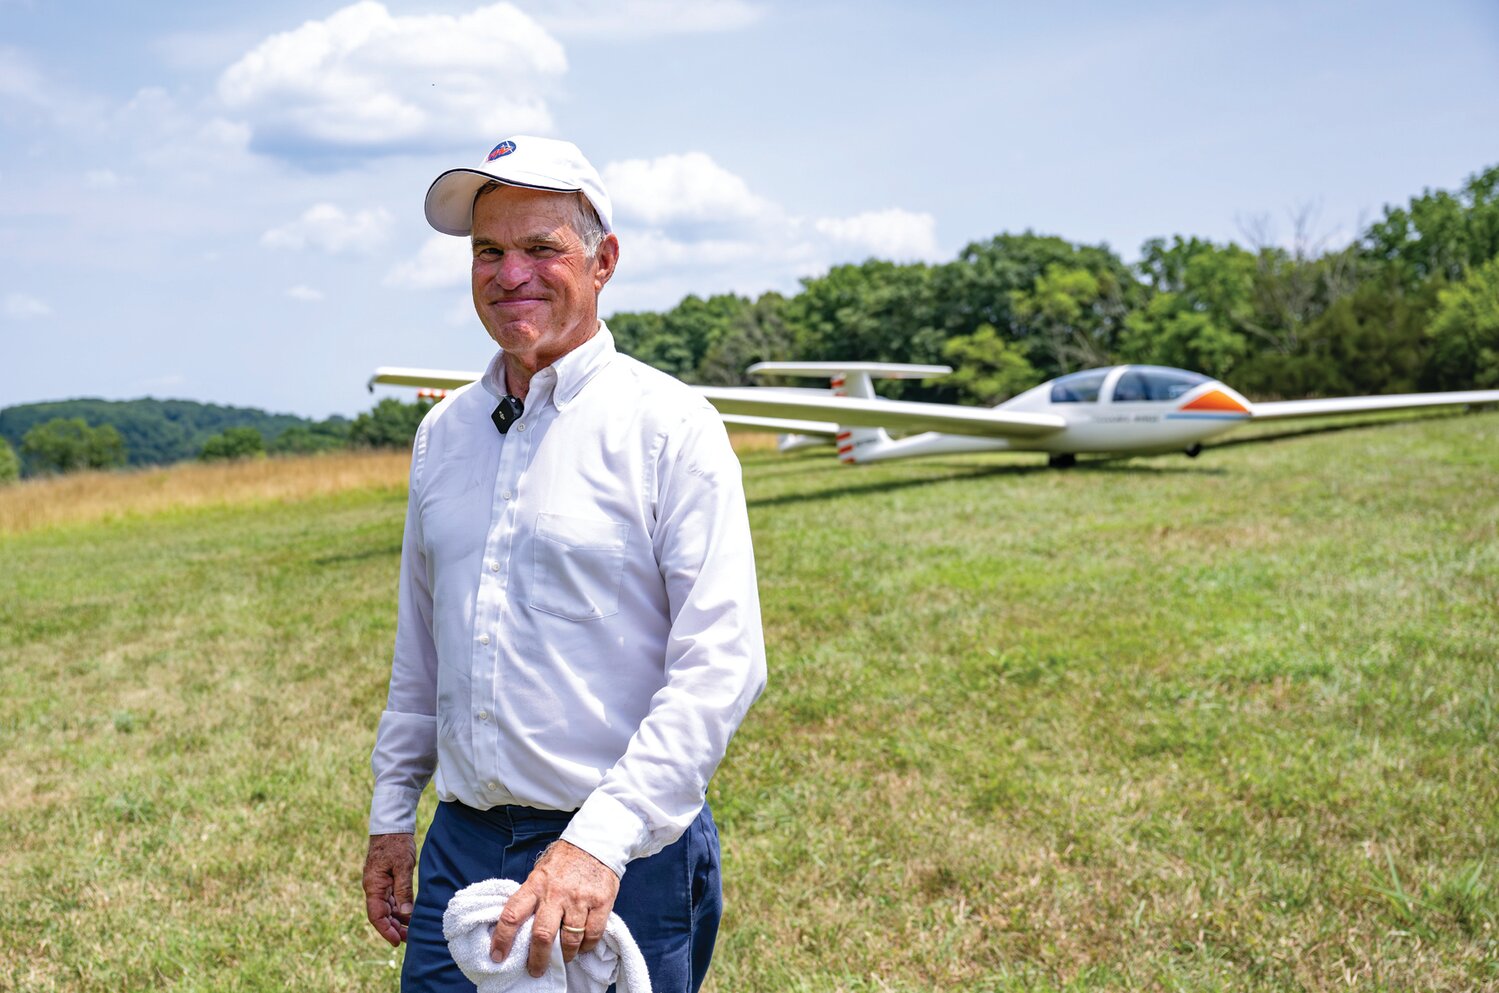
578, 366
572, 371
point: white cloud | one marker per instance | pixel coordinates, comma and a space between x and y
24, 307
895, 234
443, 261
678, 188
654, 252
688, 225
176, 141
305, 294
101, 179
20, 81
363, 79
329, 228
25, 90
636, 19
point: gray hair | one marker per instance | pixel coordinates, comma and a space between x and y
586, 223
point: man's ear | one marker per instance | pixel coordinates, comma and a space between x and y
605, 262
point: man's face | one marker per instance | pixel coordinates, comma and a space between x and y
535, 289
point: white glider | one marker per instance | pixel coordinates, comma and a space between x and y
1119, 409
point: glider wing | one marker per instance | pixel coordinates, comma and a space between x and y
827, 370
1278, 410
902, 415
437, 379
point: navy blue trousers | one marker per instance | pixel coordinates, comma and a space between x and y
671, 901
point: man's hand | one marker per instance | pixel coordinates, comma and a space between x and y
568, 889
387, 884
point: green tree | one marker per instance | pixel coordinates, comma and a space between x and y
233, 443
975, 288
66, 444
154, 431
322, 436
1071, 317
757, 333
1372, 340
1201, 299
10, 463
640, 335
1439, 235
987, 368
874, 312
1464, 335
390, 424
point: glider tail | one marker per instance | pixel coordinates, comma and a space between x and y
857, 444
855, 379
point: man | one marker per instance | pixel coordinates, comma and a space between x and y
579, 629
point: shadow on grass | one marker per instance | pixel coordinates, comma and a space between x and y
964, 473
384, 551
1129, 463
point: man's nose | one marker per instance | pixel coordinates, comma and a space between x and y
513, 271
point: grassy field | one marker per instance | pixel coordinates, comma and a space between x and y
1154, 724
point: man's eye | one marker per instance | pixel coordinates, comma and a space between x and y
487, 255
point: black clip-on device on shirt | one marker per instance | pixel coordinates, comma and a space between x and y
507, 413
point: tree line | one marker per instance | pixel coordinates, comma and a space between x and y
53, 438
1410, 304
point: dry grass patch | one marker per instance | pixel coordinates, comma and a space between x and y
754, 441
81, 497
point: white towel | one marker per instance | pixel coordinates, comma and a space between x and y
469, 922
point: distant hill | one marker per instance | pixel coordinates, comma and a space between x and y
155, 431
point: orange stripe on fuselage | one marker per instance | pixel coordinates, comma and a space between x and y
1216, 400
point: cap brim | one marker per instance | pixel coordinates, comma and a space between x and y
450, 198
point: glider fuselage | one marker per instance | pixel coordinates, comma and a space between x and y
1116, 409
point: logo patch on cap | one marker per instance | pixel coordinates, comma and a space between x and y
503, 148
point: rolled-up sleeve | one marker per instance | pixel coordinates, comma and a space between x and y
405, 752
715, 652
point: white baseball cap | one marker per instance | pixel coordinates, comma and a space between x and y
534, 163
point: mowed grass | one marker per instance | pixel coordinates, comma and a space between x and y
1150, 724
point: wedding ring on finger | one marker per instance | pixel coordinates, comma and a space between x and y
573, 930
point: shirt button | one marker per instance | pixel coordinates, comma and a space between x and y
494, 567
504, 494
493, 786
521, 426
483, 715
483, 639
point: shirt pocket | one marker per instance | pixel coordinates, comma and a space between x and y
578, 565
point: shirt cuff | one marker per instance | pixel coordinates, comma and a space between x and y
608, 830
393, 810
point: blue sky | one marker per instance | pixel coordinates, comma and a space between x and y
223, 202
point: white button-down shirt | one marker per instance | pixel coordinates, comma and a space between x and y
579, 623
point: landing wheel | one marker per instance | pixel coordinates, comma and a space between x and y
1194, 450
1062, 460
